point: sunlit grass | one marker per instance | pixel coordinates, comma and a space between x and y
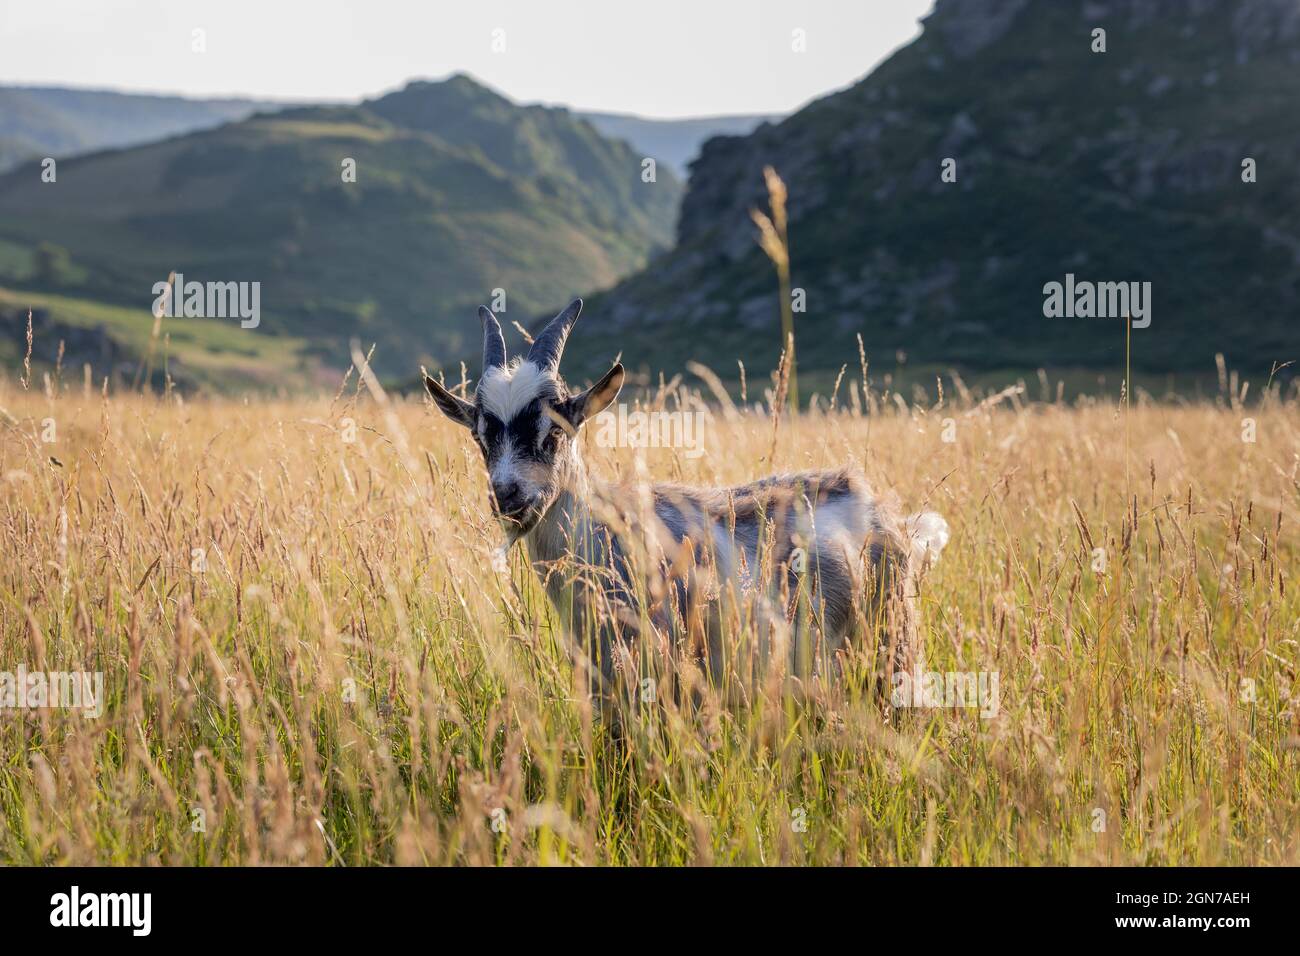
238, 569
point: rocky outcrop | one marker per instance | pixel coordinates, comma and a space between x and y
1126, 165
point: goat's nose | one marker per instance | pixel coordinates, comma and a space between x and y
507, 495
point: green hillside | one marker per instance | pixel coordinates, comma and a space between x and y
119, 343
1117, 166
458, 192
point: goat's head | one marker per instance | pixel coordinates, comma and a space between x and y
525, 419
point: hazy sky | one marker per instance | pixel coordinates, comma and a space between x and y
667, 58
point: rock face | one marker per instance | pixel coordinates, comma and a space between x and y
1117, 166
967, 26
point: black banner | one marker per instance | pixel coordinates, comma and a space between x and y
336, 905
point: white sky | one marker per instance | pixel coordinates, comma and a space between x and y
666, 58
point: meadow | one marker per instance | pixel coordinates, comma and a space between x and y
309, 656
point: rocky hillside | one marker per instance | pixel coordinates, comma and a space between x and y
1123, 165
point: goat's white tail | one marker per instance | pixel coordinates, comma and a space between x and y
928, 533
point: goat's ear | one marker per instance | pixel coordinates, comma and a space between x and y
457, 409
596, 399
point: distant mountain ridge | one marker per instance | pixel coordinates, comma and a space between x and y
56, 121
676, 142
459, 192
61, 122
1125, 165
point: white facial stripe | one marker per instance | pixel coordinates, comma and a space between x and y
505, 469
505, 392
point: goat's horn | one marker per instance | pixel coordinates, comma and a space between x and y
548, 347
494, 343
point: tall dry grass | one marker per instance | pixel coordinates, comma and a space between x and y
310, 659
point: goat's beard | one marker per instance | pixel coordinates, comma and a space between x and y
516, 529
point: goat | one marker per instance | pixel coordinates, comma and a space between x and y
804, 563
